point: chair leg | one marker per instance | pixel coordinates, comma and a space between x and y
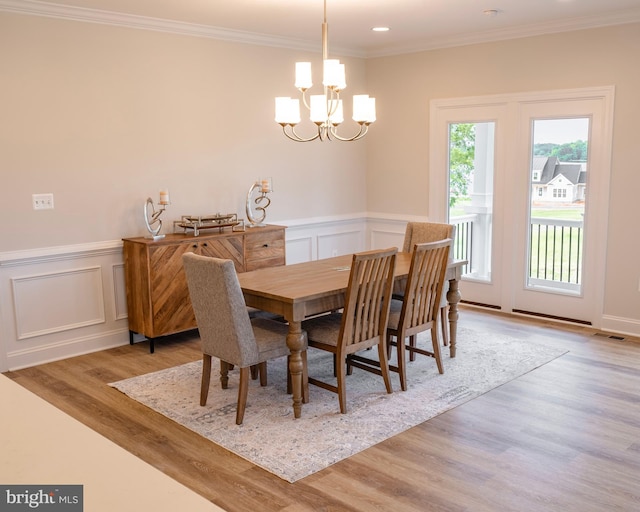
224, 373
341, 370
255, 371
402, 362
243, 390
262, 367
412, 344
445, 327
436, 347
384, 366
206, 378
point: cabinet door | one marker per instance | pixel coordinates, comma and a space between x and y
228, 248
170, 296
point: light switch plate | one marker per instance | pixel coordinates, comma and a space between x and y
42, 201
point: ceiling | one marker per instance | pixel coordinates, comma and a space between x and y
415, 25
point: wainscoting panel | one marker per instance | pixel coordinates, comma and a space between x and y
388, 231
299, 250
71, 299
61, 302
337, 244
313, 239
120, 292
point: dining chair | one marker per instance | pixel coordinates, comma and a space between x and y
362, 324
420, 233
418, 311
226, 330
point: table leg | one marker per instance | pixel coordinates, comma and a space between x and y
453, 298
295, 342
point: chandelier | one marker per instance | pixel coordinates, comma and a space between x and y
325, 110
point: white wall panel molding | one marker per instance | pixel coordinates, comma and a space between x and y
59, 253
119, 292
57, 301
317, 238
61, 302
300, 248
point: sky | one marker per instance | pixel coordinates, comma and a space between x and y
560, 131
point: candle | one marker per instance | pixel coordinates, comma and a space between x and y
265, 186
164, 197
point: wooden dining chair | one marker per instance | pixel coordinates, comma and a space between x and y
420, 233
226, 330
418, 311
362, 324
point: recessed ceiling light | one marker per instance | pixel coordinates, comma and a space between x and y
380, 29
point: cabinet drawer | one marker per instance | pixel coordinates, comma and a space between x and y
264, 249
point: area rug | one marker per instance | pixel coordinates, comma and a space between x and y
291, 448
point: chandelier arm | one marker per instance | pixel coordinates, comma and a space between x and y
295, 137
364, 128
332, 101
304, 98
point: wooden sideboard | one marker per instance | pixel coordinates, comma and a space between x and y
158, 301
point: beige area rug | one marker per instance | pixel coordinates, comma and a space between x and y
271, 438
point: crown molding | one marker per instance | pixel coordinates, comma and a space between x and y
68, 12
517, 32
73, 13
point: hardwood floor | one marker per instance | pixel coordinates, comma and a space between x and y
564, 437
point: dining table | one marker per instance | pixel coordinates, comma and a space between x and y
302, 290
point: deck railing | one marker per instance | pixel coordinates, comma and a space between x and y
556, 250
463, 243
555, 258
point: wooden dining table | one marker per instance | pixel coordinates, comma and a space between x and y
302, 290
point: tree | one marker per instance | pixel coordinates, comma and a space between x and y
462, 145
567, 152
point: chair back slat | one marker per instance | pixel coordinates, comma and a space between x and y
366, 311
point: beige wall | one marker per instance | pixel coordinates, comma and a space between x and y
398, 153
103, 117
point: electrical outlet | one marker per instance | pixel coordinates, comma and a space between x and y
42, 201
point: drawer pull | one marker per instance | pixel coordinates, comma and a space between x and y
195, 246
265, 245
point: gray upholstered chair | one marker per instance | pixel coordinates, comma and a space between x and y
226, 330
362, 324
420, 233
419, 309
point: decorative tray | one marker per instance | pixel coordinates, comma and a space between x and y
220, 221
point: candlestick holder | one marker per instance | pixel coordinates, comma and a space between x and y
152, 217
257, 206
